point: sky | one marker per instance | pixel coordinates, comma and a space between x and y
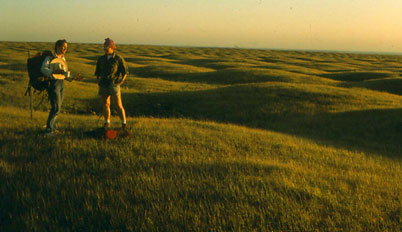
340, 25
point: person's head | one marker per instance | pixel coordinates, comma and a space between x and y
109, 46
60, 48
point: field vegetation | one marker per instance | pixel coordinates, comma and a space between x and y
222, 140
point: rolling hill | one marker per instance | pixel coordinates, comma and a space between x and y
222, 140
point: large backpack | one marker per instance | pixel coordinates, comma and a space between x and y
36, 78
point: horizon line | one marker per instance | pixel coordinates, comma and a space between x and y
368, 52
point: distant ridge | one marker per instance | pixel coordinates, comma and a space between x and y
230, 47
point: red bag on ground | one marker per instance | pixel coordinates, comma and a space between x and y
110, 134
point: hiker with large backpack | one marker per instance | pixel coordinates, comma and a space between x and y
53, 70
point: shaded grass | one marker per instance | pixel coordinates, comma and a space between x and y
228, 178
226, 76
357, 76
391, 85
353, 119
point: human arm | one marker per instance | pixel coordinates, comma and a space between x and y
123, 69
122, 80
46, 68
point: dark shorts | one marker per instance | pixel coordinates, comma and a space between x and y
112, 89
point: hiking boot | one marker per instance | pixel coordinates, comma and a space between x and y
49, 134
125, 133
48, 131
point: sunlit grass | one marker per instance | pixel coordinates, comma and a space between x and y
222, 140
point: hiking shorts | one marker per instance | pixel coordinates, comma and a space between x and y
108, 90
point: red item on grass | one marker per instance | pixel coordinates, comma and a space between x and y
111, 134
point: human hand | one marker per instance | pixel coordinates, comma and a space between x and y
58, 71
62, 67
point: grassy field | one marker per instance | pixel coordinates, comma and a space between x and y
222, 140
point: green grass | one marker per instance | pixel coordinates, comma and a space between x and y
222, 140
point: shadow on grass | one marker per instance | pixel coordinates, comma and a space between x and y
356, 76
18, 145
282, 110
73, 193
389, 85
224, 76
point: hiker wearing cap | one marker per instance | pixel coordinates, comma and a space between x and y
111, 71
56, 87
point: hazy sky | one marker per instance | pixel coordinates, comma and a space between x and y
354, 25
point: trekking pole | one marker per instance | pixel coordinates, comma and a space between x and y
30, 101
30, 92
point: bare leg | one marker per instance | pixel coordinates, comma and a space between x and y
120, 108
106, 107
